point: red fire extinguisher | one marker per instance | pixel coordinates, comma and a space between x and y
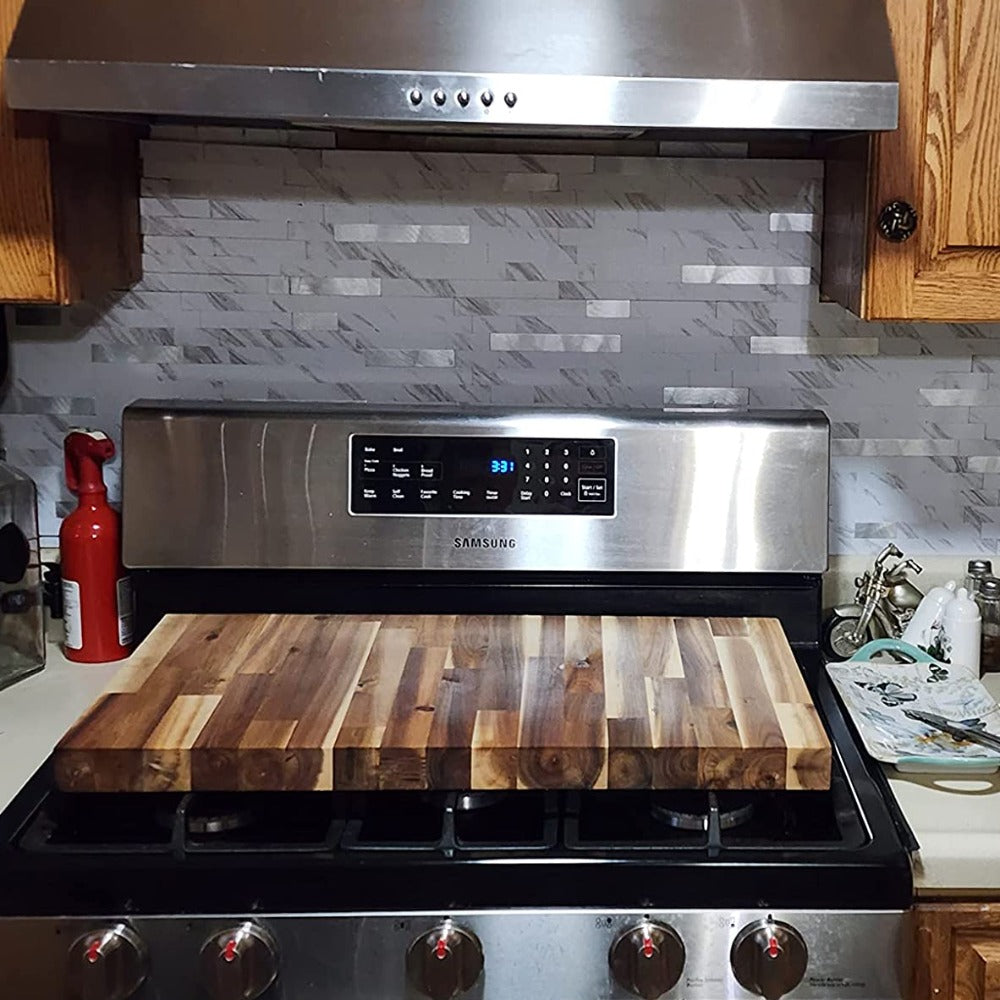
97, 595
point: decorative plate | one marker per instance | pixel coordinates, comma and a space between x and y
876, 694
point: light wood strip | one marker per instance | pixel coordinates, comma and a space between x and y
809, 753
781, 673
494, 750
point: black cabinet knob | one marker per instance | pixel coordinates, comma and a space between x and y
897, 221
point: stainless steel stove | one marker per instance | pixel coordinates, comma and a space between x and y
490, 896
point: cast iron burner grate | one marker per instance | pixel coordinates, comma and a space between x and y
450, 821
608, 824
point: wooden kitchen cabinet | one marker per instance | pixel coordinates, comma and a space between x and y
956, 952
944, 161
69, 201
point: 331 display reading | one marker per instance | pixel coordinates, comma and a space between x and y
501, 466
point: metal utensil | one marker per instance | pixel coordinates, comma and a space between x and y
955, 730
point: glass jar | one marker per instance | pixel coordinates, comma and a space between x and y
988, 599
22, 614
978, 569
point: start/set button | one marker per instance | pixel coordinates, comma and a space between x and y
592, 491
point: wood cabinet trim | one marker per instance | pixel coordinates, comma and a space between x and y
27, 256
893, 266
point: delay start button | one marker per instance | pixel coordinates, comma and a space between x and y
592, 491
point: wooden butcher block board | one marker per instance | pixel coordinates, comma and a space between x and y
283, 702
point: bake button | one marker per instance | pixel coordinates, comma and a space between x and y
370, 449
429, 470
461, 495
592, 468
369, 493
527, 495
592, 451
592, 490
402, 470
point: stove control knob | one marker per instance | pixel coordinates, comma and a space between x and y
769, 958
239, 963
444, 962
647, 959
108, 963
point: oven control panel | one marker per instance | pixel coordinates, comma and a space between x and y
472, 475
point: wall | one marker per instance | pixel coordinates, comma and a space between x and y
278, 269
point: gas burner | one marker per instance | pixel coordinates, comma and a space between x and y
472, 801
209, 821
691, 811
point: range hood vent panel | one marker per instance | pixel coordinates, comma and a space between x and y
554, 65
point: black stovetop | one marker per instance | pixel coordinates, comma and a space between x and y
300, 852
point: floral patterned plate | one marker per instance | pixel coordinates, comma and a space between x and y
876, 694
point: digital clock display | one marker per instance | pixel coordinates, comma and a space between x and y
502, 466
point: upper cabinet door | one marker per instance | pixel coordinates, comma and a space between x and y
944, 161
27, 252
69, 201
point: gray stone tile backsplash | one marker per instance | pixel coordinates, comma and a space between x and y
278, 268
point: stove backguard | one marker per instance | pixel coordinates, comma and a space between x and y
209, 486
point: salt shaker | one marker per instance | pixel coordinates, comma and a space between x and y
978, 570
988, 600
962, 631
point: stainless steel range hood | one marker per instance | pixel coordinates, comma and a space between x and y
550, 66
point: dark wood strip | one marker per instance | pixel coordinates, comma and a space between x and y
503, 665
299, 652
702, 671
403, 753
471, 642
215, 756
449, 743
630, 753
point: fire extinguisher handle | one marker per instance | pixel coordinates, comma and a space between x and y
84, 451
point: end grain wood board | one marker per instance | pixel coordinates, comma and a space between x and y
292, 702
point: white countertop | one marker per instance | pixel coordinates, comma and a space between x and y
956, 820
35, 712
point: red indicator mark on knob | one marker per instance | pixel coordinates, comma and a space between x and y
773, 949
229, 951
647, 946
441, 948
94, 951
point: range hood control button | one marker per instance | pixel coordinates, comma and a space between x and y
487, 98
415, 97
463, 98
510, 98
440, 97
109, 963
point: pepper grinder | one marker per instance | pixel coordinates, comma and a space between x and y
988, 599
